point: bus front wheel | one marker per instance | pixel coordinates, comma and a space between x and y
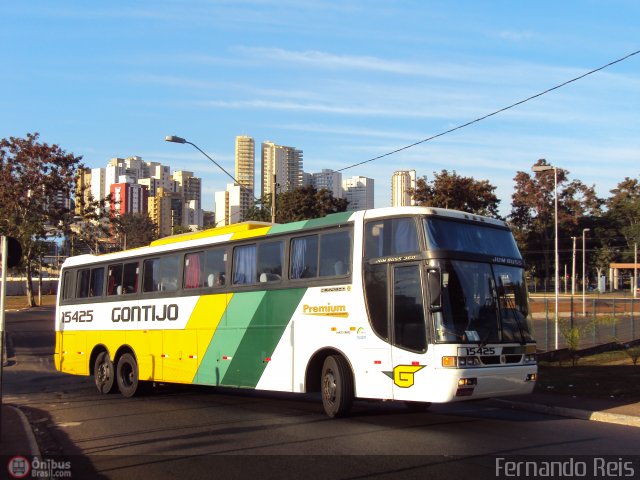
104, 374
337, 386
127, 375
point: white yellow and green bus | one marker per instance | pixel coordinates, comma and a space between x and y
415, 304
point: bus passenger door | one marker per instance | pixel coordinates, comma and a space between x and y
408, 332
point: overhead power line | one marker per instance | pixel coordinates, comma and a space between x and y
492, 113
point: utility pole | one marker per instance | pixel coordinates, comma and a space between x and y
635, 270
273, 198
573, 269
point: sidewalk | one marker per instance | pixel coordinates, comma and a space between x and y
597, 410
16, 437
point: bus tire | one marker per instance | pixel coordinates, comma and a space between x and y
336, 386
104, 373
417, 406
127, 375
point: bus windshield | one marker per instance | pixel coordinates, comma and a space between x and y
482, 303
444, 234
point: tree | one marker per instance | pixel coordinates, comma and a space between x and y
303, 203
36, 182
533, 214
450, 190
624, 210
134, 229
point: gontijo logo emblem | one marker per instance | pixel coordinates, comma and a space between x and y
403, 375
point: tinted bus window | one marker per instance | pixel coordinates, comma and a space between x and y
67, 286
82, 283
391, 236
205, 269
89, 282
122, 279
161, 274
304, 257
244, 265
270, 261
335, 254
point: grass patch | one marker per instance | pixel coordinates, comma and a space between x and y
14, 302
610, 375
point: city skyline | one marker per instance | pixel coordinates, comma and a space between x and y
345, 82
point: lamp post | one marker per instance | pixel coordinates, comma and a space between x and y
544, 168
176, 139
584, 269
573, 269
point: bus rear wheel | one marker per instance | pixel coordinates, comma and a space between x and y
127, 375
337, 386
104, 374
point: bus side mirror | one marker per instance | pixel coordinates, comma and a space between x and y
434, 282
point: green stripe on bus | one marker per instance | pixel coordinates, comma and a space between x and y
262, 336
287, 227
333, 219
228, 336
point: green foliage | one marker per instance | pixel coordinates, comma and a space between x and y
303, 203
624, 210
134, 229
37, 180
573, 334
450, 190
533, 215
633, 352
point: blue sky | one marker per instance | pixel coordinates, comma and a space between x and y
344, 81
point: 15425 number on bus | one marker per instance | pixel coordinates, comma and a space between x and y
79, 316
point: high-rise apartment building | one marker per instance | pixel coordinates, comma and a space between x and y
228, 205
128, 197
245, 171
190, 188
402, 182
359, 192
285, 163
83, 190
165, 210
329, 180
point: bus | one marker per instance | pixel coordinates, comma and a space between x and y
415, 304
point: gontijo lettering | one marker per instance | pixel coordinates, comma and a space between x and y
145, 313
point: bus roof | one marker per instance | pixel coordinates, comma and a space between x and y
257, 229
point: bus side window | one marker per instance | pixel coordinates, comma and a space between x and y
215, 267
270, 261
114, 280
130, 278
391, 236
161, 274
96, 283
244, 265
193, 270
335, 254
82, 283
67, 286
304, 257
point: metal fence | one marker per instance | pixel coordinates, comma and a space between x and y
606, 319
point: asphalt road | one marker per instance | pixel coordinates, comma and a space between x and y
196, 432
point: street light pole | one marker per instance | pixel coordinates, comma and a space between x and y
584, 279
176, 139
573, 269
544, 168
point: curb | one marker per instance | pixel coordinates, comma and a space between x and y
28, 432
606, 417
